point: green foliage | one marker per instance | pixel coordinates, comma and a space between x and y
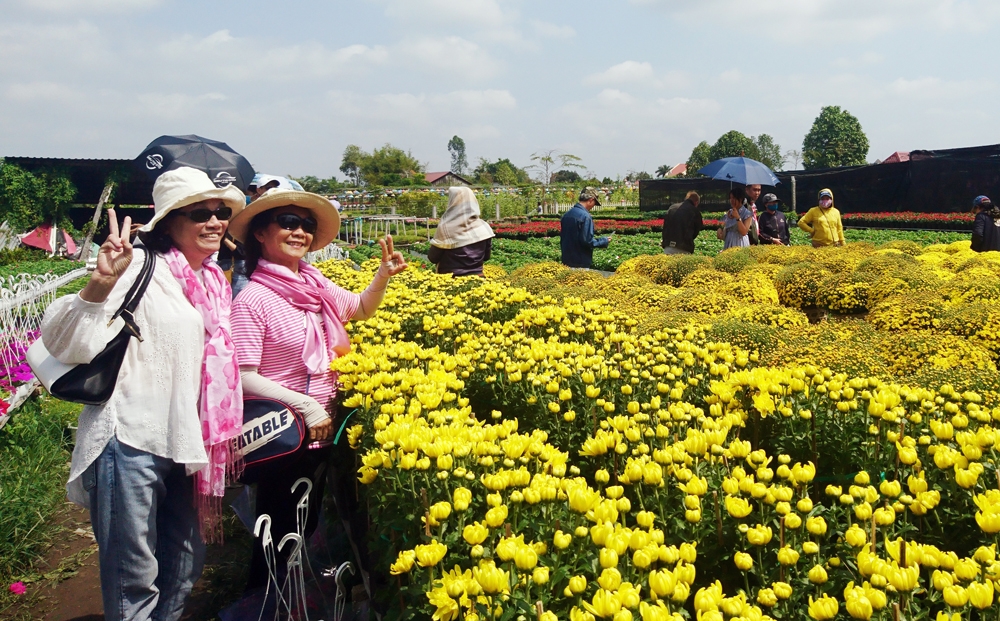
33, 468
836, 139
734, 144
700, 157
637, 176
385, 166
502, 171
319, 186
566, 176
546, 162
456, 147
28, 199
33, 266
18, 255
417, 204
769, 152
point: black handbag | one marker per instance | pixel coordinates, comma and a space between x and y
273, 433
94, 383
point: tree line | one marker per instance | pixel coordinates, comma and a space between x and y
835, 139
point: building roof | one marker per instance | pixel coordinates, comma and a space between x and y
434, 177
896, 157
679, 169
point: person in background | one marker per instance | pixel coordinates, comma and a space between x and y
262, 183
773, 225
986, 227
288, 325
151, 464
463, 241
576, 236
823, 222
736, 225
681, 225
753, 193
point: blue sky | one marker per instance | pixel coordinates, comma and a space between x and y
624, 85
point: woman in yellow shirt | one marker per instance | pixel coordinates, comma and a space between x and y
823, 222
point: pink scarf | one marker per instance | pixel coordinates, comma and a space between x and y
221, 408
308, 292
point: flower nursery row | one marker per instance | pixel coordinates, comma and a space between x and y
552, 443
550, 228
957, 221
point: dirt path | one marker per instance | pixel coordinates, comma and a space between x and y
68, 587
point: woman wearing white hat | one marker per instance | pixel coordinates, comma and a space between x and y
289, 324
151, 464
463, 241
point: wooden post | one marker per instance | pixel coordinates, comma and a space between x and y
105, 195
794, 203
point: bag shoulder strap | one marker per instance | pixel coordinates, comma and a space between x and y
135, 293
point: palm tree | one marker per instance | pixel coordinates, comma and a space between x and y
662, 171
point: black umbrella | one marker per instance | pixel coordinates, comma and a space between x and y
217, 159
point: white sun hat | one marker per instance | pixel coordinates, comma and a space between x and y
185, 186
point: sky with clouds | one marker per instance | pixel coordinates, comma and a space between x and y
626, 85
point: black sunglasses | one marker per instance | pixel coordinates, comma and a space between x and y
204, 215
291, 221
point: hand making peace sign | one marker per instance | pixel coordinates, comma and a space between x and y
392, 260
115, 254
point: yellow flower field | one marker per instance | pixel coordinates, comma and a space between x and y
678, 440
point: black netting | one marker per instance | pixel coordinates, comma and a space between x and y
931, 182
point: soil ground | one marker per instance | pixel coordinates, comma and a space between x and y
67, 585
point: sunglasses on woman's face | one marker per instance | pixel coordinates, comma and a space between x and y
291, 221
204, 215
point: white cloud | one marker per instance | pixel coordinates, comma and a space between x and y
628, 72
552, 31
64, 7
476, 13
41, 92
836, 20
445, 56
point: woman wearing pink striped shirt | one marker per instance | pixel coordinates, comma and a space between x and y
288, 324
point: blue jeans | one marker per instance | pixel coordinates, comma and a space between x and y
146, 525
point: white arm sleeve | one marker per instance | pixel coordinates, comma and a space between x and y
256, 385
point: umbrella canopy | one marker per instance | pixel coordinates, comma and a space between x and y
742, 170
217, 159
44, 237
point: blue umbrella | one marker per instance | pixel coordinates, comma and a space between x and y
742, 170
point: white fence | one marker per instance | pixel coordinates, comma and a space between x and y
23, 300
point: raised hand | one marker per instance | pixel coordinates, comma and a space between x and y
115, 254
392, 260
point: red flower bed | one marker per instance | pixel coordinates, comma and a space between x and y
909, 217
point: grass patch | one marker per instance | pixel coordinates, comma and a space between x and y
74, 286
34, 463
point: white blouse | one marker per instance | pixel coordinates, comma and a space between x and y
154, 407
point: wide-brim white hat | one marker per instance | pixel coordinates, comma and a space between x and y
185, 186
327, 216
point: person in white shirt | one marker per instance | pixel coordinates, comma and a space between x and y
151, 464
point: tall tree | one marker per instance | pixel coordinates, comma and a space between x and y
500, 171
769, 152
351, 163
835, 139
734, 144
567, 176
456, 147
699, 158
547, 162
795, 156
387, 165
662, 170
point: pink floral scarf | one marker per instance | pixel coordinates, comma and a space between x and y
308, 292
221, 408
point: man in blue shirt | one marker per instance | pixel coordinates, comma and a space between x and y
576, 238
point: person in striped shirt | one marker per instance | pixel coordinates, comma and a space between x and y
288, 324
